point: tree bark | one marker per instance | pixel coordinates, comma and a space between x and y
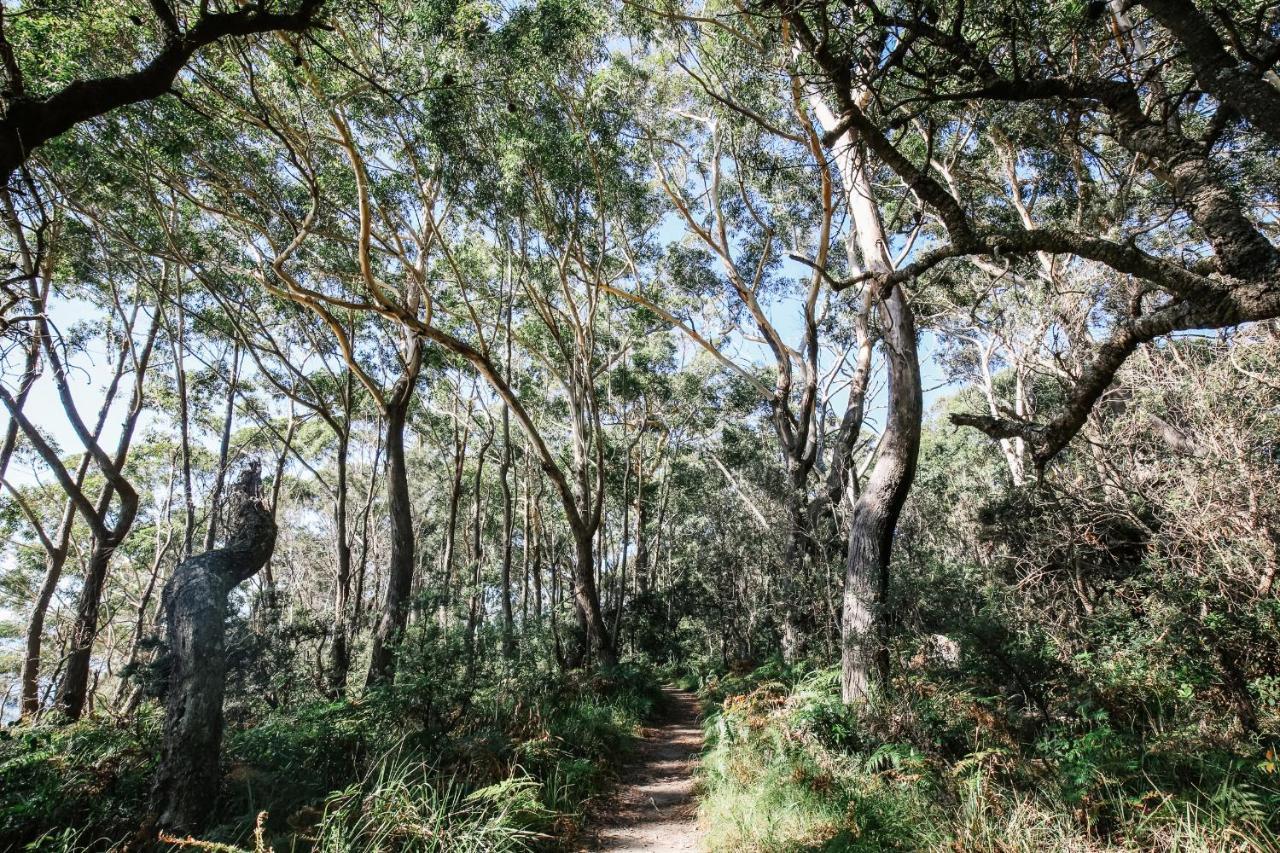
339, 649
587, 599
508, 526
395, 607
195, 606
875, 515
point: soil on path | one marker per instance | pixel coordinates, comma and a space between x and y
655, 809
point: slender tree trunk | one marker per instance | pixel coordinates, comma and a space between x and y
178, 342
224, 450
362, 565
475, 605
536, 564
339, 648
74, 690
641, 570
508, 527
460, 441
54, 564
195, 606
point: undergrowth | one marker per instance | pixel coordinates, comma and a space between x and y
478, 762
790, 768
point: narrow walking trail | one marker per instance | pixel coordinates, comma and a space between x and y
656, 809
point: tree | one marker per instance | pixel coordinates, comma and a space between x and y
36, 111
195, 608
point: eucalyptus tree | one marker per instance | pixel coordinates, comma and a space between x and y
1125, 123
782, 121
66, 65
120, 285
1105, 100
428, 220
737, 152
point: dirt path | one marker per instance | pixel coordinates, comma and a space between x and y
656, 810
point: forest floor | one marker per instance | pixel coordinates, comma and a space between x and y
655, 809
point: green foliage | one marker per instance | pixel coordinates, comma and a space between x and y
783, 773
92, 778
515, 765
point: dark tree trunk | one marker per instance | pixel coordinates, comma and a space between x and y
460, 439
35, 633
339, 650
587, 601
641, 570
74, 690
875, 515
395, 607
195, 608
794, 617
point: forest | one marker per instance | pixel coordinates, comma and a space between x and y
666, 425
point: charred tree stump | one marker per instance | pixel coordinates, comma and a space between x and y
195, 606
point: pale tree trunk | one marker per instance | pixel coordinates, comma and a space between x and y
875, 515
508, 526
224, 450
195, 607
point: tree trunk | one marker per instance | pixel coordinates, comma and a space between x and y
395, 607
224, 450
795, 620
460, 439
508, 525
587, 600
179, 346
73, 692
35, 634
641, 571
339, 650
875, 515
475, 606
195, 605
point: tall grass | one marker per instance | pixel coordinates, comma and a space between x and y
405, 805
